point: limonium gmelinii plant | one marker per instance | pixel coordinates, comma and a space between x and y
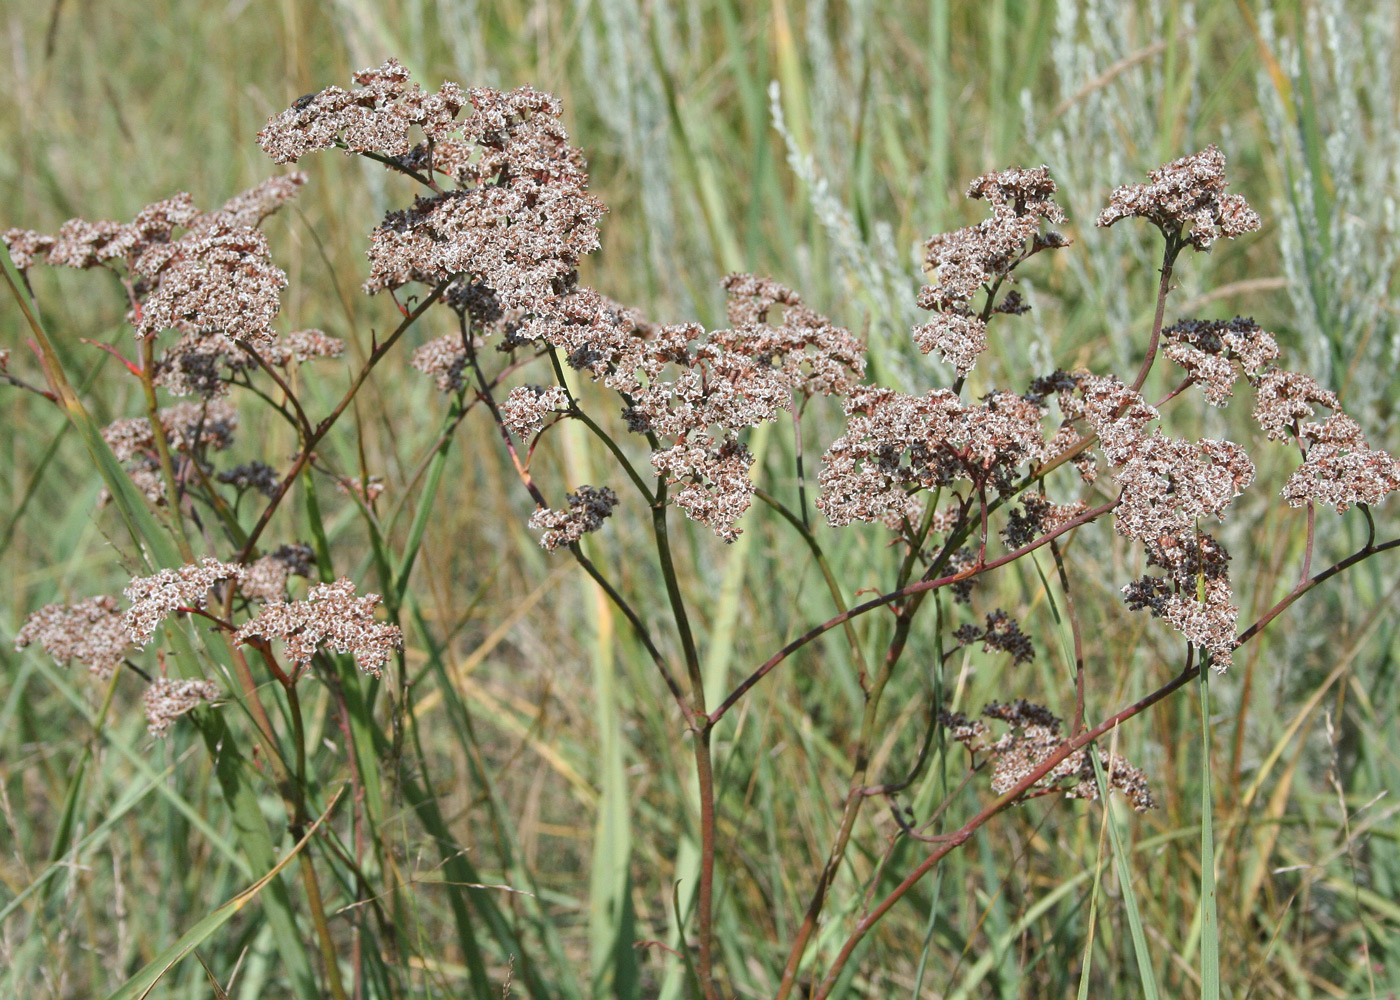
487, 255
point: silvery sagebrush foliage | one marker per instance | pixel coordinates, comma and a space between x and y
490, 248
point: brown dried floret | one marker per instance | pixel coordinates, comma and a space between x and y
167, 700
525, 408
333, 617
1189, 190
589, 507
152, 598
518, 224
90, 632
376, 117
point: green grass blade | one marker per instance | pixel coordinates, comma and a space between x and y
1210, 921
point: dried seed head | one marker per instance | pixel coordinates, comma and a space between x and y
1282, 398
1191, 191
219, 284
1033, 738
167, 700
253, 476
90, 632
1002, 633
588, 509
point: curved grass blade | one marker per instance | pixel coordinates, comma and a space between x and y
140, 985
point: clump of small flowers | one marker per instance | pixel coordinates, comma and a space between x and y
91, 632
588, 508
166, 700
331, 617
1033, 737
491, 246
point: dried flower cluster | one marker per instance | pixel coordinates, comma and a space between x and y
896, 444
333, 617
1002, 633
588, 509
1211, 351
1189, 191
979, 257
154, 598
519, 217
167, 700
1033, 738
90, 632
525, 409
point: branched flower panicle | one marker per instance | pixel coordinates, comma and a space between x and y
520, 217
213, 284
978, 257
588, 509
189, 428
333, 617
1339, 468
1116, 412
1194, 596
813, 355
221, 284
167, 700
1191, 191
90, 632
445, 359
1033, 738
895, 442
1282, 398
153, 598
376, 117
